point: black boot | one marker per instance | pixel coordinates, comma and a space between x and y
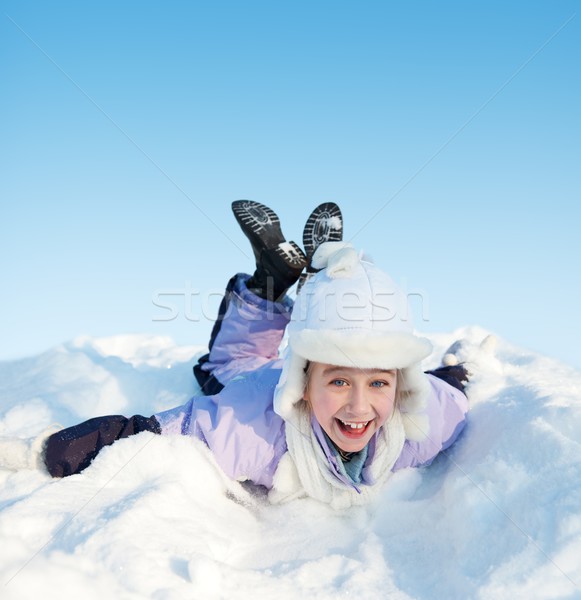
325, 224
278, 263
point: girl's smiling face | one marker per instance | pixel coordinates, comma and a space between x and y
350, 404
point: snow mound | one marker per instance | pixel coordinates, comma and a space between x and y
88, 377
498, 516
137, 350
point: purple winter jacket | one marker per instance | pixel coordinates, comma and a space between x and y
239, 424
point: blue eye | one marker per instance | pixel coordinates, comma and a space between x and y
379, 384
338, 382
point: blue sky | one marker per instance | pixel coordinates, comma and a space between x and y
448, 132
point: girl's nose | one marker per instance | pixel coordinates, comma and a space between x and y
358, 403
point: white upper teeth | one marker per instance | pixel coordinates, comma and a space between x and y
355, 425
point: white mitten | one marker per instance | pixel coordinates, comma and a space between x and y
463, 351
477, 359
18, 453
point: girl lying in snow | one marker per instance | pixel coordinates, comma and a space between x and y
346, 406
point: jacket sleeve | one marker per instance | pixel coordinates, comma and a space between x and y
238, 425
246, 335
446, 411
71, 450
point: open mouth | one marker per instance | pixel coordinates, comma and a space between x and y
353, 429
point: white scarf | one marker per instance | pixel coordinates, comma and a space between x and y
304, 469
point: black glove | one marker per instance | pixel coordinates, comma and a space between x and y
455, 375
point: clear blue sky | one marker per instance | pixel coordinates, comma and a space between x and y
448, 132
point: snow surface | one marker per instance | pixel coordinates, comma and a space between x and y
153, 517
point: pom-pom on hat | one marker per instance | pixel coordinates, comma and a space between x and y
352, 314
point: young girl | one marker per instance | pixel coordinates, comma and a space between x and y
346, 406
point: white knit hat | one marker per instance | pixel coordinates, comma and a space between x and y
352, 314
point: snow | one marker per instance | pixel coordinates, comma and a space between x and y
498, 517
334, 223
